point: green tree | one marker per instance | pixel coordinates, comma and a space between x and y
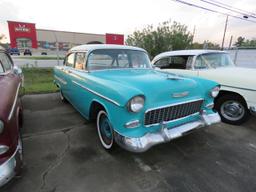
167, 36
239, 42
205, 45
2, 37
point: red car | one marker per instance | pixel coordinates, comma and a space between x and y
10, 119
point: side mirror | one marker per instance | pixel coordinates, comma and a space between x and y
17, 70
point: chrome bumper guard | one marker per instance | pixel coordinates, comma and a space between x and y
145, 142
253, 110
8, 168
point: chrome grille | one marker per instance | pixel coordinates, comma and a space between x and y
173, 112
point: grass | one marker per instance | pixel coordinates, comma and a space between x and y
38, 80
42, 57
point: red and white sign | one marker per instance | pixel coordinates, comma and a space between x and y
22, 30
114, 39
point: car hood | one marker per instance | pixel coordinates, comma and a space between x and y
232, 76
154, 85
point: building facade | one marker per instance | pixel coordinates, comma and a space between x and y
26, 35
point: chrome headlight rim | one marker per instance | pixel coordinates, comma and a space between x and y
1, 126
215, 91
136, 103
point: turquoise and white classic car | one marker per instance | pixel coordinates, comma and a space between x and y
237, 97
134, 105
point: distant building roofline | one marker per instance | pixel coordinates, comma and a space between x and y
62, 31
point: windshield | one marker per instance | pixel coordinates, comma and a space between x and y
117, 58
213, 60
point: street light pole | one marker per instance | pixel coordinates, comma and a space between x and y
225, 29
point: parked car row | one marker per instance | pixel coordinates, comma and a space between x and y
16, 51
135, 105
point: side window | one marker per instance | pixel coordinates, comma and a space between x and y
6, 62
174, 62
200, 63
100, 61
80, 61
162, 63
178, 62
70, 59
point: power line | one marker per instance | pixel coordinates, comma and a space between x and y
212, 10
227, 8
226, 5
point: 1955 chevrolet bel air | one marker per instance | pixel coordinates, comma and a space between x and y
134, 105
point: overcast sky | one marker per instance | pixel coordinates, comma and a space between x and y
125, 16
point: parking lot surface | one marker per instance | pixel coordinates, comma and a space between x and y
62, 153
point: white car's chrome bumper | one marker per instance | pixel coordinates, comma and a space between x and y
253, 110
145, 142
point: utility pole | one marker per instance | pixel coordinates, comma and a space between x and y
193, 35
225, 29
230, 42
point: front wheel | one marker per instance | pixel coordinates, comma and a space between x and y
105, 130
232, 109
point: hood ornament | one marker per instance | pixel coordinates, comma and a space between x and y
182, 94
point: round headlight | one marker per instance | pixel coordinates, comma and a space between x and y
136, 104
215, 91
1, 126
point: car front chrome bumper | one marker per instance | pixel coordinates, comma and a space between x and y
145, 142
8, 168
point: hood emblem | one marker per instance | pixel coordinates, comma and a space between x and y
178, 95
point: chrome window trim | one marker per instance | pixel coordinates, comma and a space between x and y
96, 93
14, 103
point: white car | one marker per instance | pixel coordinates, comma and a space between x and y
237, 98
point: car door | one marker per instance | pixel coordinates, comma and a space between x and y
203, 69
79, 77
64, 75
10, 85
177, 64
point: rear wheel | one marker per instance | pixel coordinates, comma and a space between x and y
232, 109
105, 130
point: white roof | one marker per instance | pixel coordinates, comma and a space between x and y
90, 47
192, 52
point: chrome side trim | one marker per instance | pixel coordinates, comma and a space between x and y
60, 79
14, 103
98, 94
201, 99
239, 88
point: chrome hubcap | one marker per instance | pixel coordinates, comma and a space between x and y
232, 110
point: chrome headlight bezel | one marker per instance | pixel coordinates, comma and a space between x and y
215, 91
136, 104
1, 126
